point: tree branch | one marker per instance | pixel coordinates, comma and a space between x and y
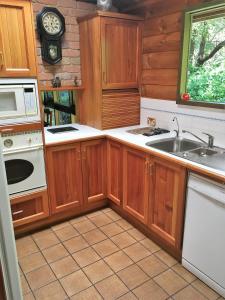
202, 60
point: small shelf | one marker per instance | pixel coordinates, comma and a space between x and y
62, 88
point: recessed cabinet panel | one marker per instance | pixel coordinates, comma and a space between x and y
64, 177
114, 172
120, 109
17, 46
120, 53
94, 170
135, 183
167, 201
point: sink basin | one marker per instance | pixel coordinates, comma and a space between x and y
174, 145
204, 151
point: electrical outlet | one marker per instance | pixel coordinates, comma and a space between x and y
151, 121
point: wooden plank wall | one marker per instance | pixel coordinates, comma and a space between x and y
161, 45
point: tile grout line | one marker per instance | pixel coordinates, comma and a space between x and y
103, 258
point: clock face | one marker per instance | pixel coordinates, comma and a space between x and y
51, 23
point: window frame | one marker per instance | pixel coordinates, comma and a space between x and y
185, 50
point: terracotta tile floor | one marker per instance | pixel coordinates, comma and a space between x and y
102, 256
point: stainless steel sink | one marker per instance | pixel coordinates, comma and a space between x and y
204, 151
193, 151
174, 145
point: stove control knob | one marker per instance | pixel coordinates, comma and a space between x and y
8, 143
29, 140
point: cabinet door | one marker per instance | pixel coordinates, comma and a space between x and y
64, 177
114, 171
120, 53
136, 183
29, 208
17, 46
94, 170
167, 201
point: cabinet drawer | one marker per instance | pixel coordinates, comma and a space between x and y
29, 208
120, 109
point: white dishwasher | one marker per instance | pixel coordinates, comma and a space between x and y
204, 232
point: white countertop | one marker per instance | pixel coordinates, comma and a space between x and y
83, 132
121, 134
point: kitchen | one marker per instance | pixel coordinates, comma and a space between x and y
113, 149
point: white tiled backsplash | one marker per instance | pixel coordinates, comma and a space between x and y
194, 119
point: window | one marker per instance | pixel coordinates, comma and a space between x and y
202, 80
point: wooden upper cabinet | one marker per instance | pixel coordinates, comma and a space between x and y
110, 46
17, 44
93, 155
64, 177
120, 41
115, 171
167, 196
136, 183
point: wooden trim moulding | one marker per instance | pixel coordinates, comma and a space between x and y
109, 14
20, 127
62, 88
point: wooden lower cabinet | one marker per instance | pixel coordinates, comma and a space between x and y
29, 208
76, 174
154, 193
64, 177
94, 170
166, 201
136, 183
114, 171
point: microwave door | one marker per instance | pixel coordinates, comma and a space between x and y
12, 102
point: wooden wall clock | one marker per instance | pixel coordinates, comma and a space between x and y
51, 27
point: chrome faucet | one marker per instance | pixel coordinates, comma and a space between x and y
210, 142
178, 127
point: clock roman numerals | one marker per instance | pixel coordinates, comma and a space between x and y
51, 27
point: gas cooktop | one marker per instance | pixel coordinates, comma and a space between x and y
148, 131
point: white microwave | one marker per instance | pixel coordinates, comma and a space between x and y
19, 101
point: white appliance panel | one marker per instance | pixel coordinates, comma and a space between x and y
204, 233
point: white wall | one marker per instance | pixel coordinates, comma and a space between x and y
190, 118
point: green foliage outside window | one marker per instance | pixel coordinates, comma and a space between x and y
203, 65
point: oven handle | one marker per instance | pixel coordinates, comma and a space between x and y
15, 151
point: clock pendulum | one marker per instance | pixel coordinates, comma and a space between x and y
51, 28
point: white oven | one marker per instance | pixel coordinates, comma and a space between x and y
18, 101
24, 161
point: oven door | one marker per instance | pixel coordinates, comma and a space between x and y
25, 169
12, 102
